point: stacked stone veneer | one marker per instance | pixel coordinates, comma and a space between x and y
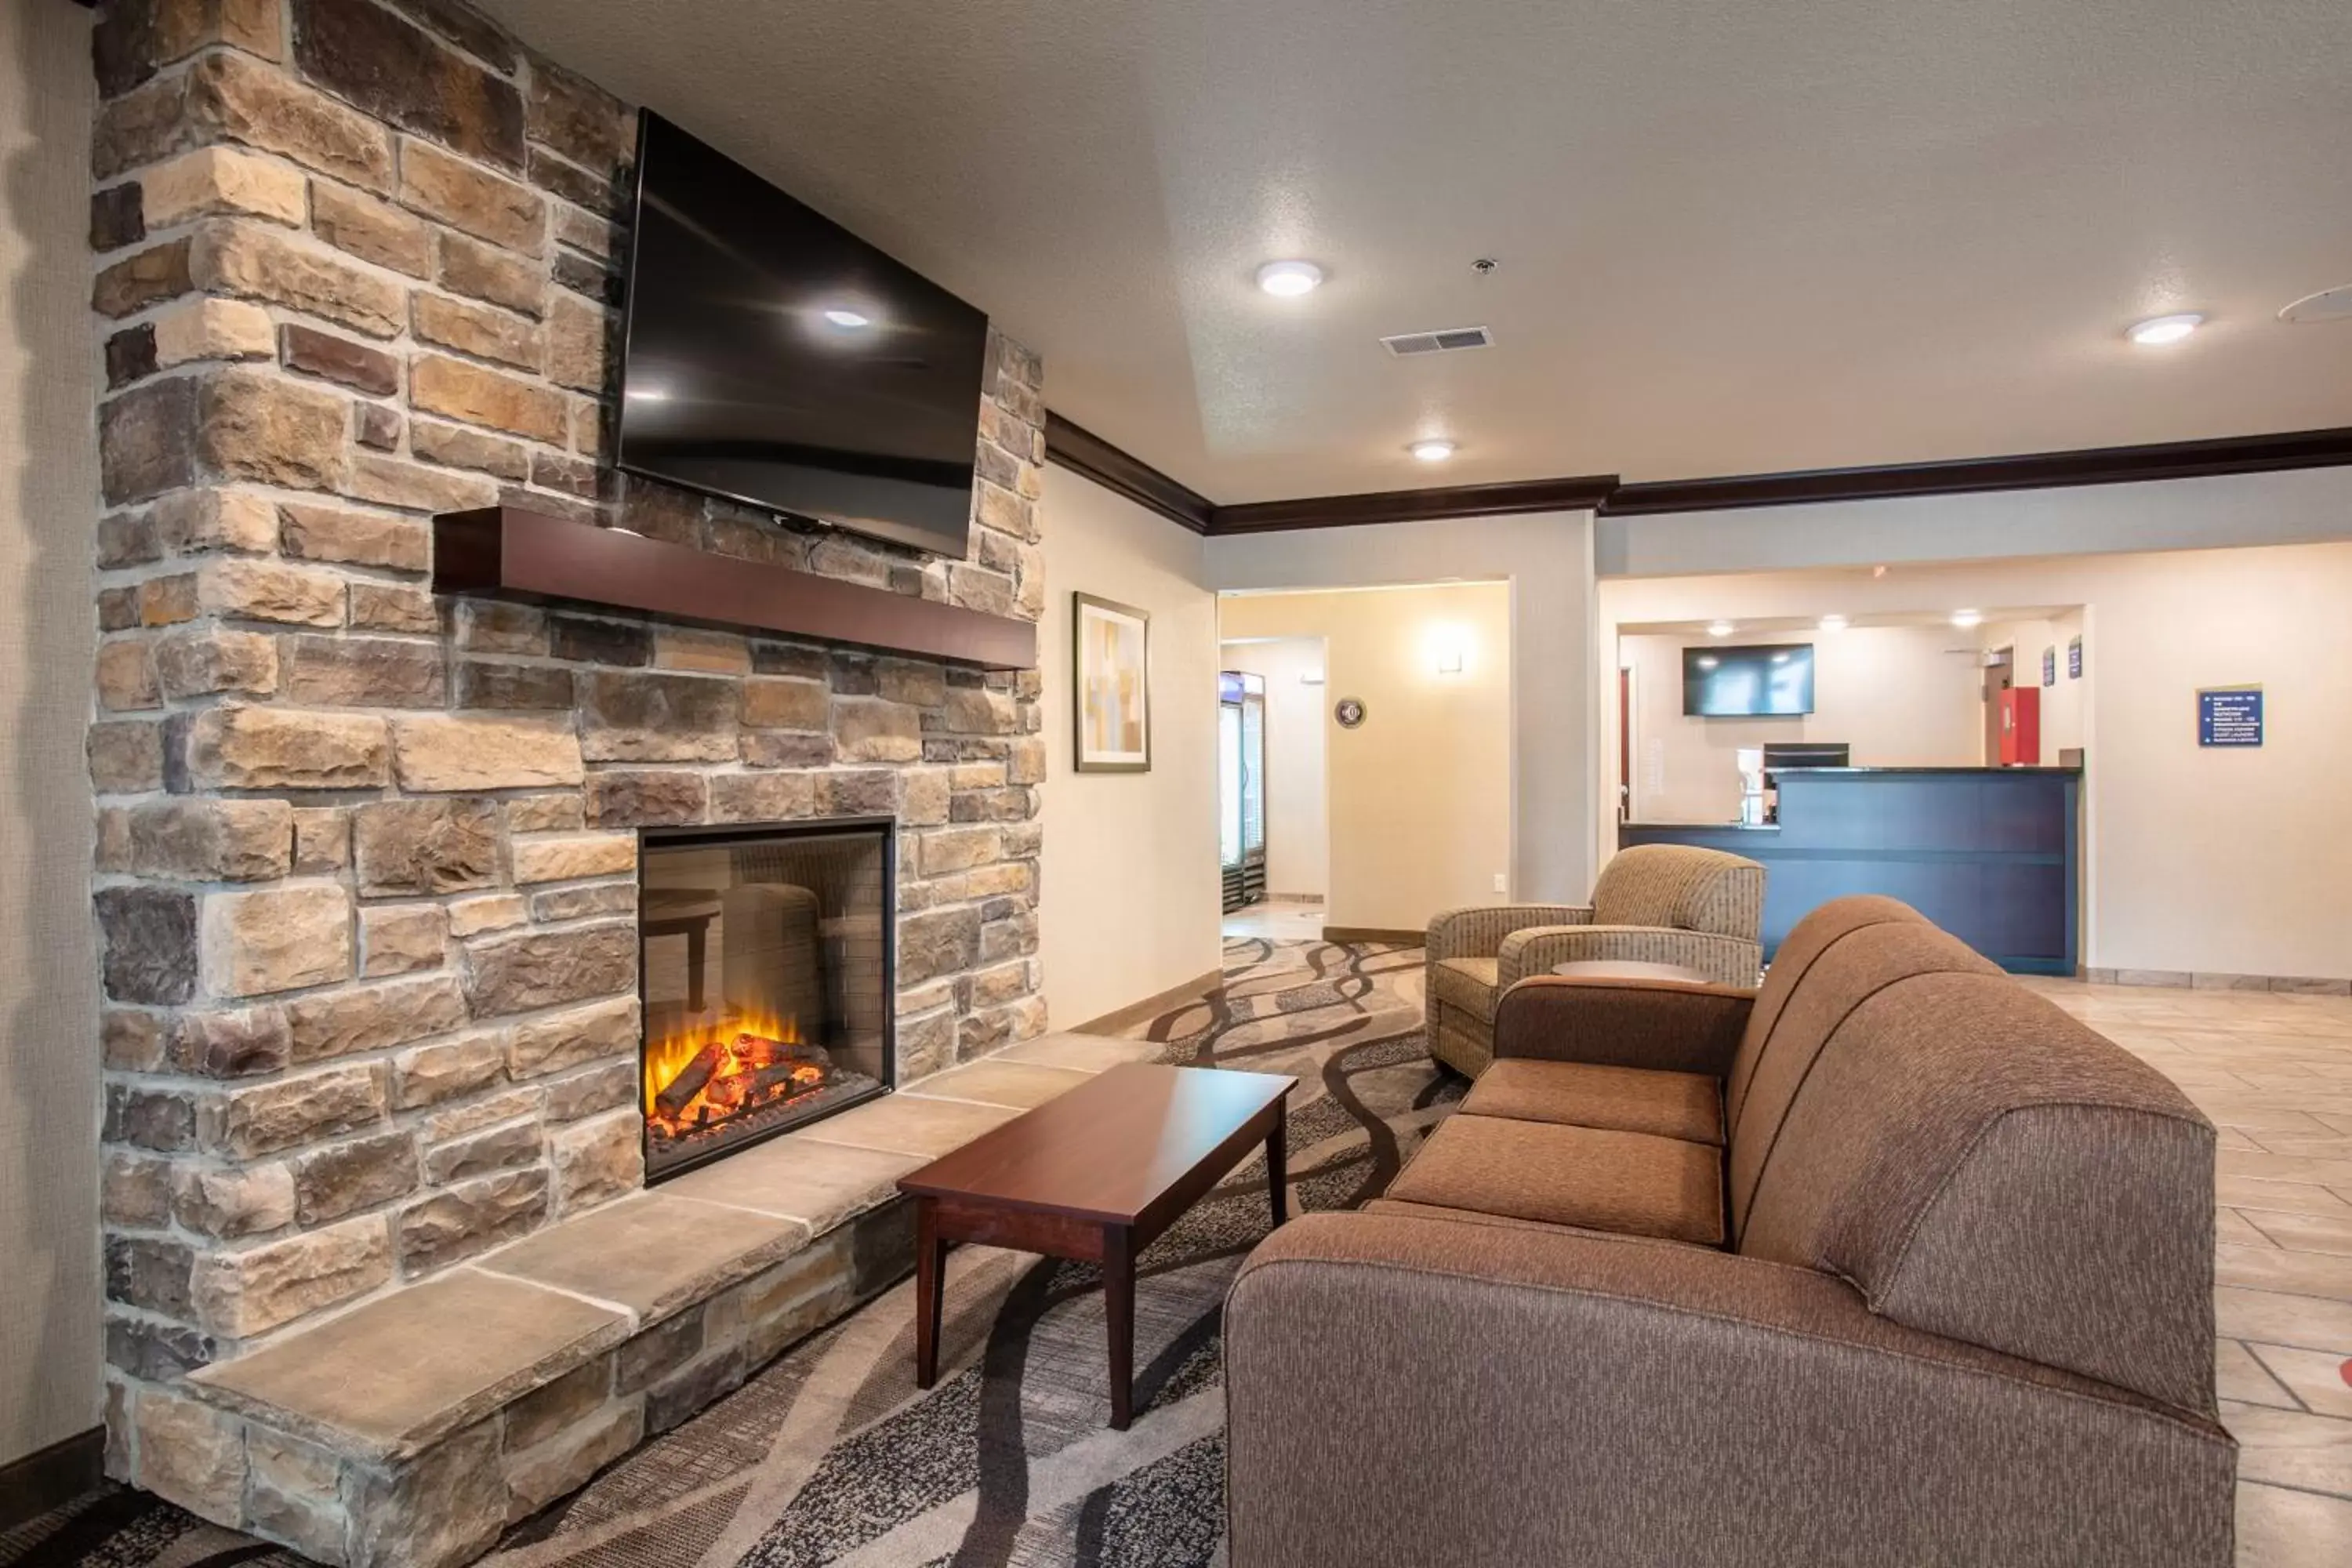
365, 859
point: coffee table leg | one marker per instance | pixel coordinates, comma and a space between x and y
1277, 1167
1118, 1308
931, 1291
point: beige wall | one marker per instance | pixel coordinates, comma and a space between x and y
1420, 793
1297, 816
1899, 696
49, 480
2222, 861
1129, 866
2227, 512
1556, 754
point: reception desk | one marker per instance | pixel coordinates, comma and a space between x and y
1989, 854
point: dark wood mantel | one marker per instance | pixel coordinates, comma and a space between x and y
508, 552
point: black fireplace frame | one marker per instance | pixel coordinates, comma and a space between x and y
738, 833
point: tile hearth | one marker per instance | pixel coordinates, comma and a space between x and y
414, 1429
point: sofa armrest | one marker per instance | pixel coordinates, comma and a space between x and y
1726, 960
1404, 1391
1652, 1024
1479, 932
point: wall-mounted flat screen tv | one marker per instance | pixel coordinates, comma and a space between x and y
775, 358
1768, 680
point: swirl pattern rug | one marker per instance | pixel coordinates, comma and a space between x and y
832, 1456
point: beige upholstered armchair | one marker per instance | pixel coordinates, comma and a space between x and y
1660, 903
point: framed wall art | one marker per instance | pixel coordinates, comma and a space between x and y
1111, 668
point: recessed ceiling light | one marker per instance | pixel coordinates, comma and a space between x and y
1290, 278
844, 317
2157, 331
1833, 623
1720, 629
1432, 451
1965, 618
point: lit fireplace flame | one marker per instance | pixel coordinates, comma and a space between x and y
712, 1071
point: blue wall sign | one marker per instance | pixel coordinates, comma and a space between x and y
2049, 665
2075, 659
2230, 716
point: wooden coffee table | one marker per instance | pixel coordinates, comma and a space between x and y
1095, 1175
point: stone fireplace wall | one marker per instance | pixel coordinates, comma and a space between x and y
366, 869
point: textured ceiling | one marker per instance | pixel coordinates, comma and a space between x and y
1734, 237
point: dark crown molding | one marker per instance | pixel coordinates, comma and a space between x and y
1965, 475
1080, 450
1083, 452
1414, 506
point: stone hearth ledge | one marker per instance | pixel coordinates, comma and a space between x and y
362, 1439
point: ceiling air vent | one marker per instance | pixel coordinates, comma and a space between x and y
1446, 341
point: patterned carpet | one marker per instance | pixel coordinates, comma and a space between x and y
832, 1456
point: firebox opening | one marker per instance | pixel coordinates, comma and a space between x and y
766, 978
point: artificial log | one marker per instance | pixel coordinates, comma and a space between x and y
679, 1092
761, 1082
776, 1057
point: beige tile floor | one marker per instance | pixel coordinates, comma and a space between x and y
1278, 919
2275, 1072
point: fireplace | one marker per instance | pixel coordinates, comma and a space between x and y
766, 978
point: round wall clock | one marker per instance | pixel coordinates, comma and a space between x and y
1350, 711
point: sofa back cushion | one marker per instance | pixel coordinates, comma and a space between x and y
1807, 941
1864, 961
1981, 1166
1683, 887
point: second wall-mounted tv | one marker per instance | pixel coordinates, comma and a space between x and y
1764, 680
772, 357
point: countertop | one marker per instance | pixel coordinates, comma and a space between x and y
1918, 772
1778, 773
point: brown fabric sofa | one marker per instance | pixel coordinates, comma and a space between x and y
1655, 904
1890, 1262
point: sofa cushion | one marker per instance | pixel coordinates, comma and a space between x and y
1806, 942
1685, 1105
1467, 983
1593, 1179
1983, 1166
1859, 966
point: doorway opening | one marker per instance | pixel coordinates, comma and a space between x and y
1241, 787
1272, 833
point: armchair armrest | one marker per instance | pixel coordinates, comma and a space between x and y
1726, 960
1479, 932
1404, 1391
1623, 1023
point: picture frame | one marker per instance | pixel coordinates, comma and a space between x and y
1110, 677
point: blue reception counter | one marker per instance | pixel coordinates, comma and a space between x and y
1989, 854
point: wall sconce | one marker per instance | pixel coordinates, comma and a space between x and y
1449, 650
